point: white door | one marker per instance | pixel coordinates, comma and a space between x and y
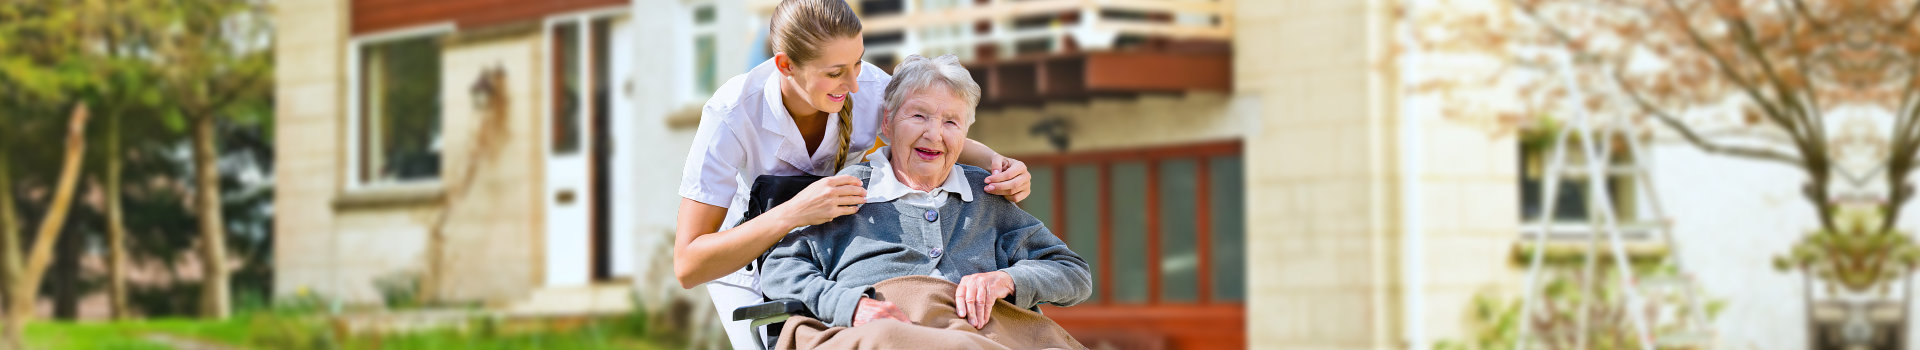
625, 139
568, 190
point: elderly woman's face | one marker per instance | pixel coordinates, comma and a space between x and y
926, 135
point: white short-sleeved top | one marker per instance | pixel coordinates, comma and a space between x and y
745, 131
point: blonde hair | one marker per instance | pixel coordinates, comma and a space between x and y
799, 28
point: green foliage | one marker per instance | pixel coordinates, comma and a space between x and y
398, 289
137, 62
1495, 321
1856, 254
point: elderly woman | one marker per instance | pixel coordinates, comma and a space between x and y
991, 264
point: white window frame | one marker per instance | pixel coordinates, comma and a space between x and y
354, 107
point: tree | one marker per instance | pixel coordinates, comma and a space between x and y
1784, 71
214, 60
127, 87
37, 70
23, 278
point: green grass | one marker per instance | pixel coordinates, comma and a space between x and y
590, 338
277, 331
130, 334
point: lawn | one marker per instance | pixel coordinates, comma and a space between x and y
273, 331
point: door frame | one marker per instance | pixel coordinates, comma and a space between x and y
570, 258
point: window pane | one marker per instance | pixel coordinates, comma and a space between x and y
1040, 203
1573, 202
1229, 228
1129, 231
567, 98
602, 87
1179, 259
703, 15
1083, 217
401, 108
707, 70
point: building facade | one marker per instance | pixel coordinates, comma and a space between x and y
1241, 173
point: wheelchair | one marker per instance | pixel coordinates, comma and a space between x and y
769, 316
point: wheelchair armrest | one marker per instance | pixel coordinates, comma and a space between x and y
771, 311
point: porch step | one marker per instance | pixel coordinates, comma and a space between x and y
584, 300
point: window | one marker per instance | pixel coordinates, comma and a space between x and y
1573, 204
876, 8
399, 109
582, 88
706, 60
1181, 207
568, 101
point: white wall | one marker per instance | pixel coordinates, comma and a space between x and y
1730, 217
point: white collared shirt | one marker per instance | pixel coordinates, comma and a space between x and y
745, 131
887, 188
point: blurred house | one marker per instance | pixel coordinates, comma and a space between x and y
385, 115
1240, 172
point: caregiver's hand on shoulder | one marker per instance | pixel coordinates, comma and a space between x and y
1009, 179
976, 294
870, 310
828, 198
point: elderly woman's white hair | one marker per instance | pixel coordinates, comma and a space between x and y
918, 72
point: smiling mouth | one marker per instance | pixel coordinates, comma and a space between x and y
837, 98
927, 154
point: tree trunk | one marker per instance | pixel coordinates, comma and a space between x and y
9, 239
116, 224
63, 277
213, 236
22, 285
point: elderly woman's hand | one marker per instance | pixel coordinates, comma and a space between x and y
870, 310
1009, 179
975, 296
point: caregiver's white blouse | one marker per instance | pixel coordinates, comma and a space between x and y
745, 131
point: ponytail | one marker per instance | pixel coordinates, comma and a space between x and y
846, 135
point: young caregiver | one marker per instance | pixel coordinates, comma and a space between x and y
801, 112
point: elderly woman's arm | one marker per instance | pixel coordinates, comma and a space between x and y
1043, 269
793, 271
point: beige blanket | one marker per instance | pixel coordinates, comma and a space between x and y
928, 301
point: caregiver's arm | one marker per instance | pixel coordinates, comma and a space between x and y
709, 183
700, 254
1009, 176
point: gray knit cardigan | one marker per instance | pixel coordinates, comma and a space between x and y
830, 266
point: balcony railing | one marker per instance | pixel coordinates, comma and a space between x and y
1037, 51
1002, 29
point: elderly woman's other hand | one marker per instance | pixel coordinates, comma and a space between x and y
976, 294
1009, 179
871, 309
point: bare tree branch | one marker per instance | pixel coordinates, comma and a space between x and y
1694, 137
1727, 69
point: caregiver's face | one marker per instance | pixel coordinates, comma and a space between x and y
827, 80
927, 135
